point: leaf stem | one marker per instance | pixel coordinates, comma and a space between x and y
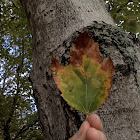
86, 115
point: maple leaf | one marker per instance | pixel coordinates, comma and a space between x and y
86, 81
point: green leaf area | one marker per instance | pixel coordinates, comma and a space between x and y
126, 14
84, 88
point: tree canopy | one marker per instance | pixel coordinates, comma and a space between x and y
17, 106
126, 14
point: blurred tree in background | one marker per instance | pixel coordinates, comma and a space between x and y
18, 113
126, 13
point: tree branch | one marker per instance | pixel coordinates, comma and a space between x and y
14, 4
23, 129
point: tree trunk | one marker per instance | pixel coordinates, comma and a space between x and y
54, 27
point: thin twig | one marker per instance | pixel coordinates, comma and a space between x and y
14, 4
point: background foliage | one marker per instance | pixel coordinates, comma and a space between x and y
18, 116
126, 14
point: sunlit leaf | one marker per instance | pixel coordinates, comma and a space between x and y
86, 81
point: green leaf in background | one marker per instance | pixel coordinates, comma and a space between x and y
17, 108
126, 14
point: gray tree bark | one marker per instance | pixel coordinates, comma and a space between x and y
54, 27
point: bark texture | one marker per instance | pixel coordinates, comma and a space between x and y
54, 27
